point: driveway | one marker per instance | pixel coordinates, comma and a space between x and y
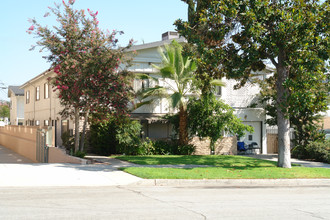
9, 156
16, 170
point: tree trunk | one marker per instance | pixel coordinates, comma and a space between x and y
283, 123
212, 150
82, 141
183, 131
76, 129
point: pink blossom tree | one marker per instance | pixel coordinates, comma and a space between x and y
86, 60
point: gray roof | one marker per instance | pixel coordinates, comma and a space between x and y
16, 90
154, 44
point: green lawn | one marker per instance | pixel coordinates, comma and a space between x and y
221, 167
211, 160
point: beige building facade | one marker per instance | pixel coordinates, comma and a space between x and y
42, 105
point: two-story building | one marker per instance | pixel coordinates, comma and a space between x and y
42, 106
155, 126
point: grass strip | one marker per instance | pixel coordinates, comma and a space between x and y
221, 167
211, 160
228, 173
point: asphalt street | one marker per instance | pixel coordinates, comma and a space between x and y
155, 202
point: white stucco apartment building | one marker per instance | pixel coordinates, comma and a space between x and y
151, 115
42, 105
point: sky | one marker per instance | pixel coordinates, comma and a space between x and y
143, 20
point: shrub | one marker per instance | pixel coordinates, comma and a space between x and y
68, 141
122, 136
103, 137
115, 136
186, 149
318, 151
80, 154
162, 147
128, 137
146, 147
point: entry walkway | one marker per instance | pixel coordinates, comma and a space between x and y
9, 156
305, 163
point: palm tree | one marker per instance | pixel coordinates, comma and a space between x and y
180, 70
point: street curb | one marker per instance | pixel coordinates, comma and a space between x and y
235, 182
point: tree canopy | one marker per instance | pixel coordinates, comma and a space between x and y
86, 61
4, 111
236, 38
212, 118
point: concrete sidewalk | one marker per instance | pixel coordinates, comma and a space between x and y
38, 174
305, 163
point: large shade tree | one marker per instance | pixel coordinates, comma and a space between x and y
308, 99
235, 38
86, 62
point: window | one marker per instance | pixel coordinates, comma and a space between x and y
46, 91
37, 122
46, 123
27, 97
145, 84
37, 93
140, 84
65, 126
218, 90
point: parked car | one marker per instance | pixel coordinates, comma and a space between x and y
2, 124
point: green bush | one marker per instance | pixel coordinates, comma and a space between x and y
128, 137
122, 136
68, 142
80, 154
115, 136
146, 147
186, 149
162, 147
318, 151
103, 137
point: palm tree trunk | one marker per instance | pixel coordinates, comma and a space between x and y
183, 131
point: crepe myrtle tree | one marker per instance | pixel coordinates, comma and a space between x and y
86, 61
236, 38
